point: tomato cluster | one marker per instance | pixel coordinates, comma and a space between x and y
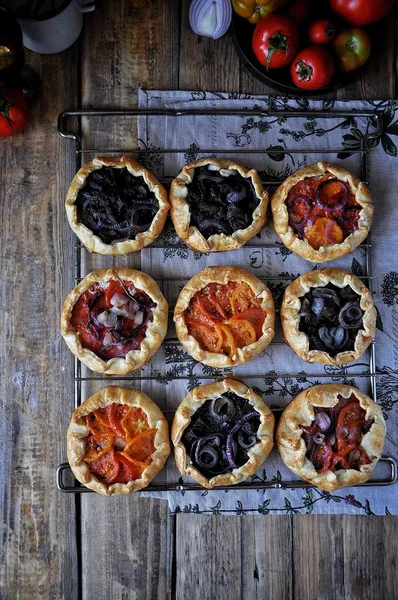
292, 35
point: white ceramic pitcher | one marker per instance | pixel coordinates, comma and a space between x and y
52, 35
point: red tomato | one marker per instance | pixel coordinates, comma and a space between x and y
321, 457
299, 10
255, 316
13, 111
275, 41
116, 412
126, 469
361, 12
321, 32
106, 468
352, 47
312, 68
351, 412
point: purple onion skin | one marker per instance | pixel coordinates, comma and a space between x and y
235, 428
323, 421
200, 8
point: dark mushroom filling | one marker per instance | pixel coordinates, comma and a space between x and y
111, 319
220, 434
116, 205
220, 204
333, 441
331, 318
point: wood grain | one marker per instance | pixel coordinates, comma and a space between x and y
38, 557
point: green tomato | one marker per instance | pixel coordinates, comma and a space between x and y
352, 47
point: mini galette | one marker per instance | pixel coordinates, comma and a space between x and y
116, 206
117, 441
328, 316
217, 205
224, 316
322, 212
115, 320
331, 435
222, 433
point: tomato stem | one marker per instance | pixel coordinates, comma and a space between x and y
304, 71
277, 42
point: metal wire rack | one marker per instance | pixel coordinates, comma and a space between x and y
76, 137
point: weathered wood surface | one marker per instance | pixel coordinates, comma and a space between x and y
127, 543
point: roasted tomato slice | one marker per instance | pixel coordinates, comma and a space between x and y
340, 457
255, 316
209, 338
106, 468
97, 449
142, 446
321, 457
127, 470
114, 287
352, 412
324, 232
97, 427
116, 412
242, 298
134, 421
243, 331
229, 345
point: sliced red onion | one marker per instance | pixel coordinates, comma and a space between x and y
334, 338
342, 433
213, 222
139, 317
368, 424
350, 316
248, 442
292, 201
323, 421
108, 339
308, 441
210, 453
210, 18
318, 438
328, 231
354, 455
222, 409
230, 451
331, 439
107, 319
118, 300
321, 198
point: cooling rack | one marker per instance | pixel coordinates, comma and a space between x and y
75, 125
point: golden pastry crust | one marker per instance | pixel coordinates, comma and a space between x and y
223, 275
181, 215
155, 332
303, 247
290, 315
78, 431
257, 453
300, 411
94, 243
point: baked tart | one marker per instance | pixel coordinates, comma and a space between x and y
117, 441
222, 433
224, 316
116, 206
114, 320
328, 316
217, 205
322, 212
331, 435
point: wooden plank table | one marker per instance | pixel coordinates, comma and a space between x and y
53, 547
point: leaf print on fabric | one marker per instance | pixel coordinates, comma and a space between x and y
389, 288
283, 251
149, 156
216, 508
192, 154
387, 389
263, 508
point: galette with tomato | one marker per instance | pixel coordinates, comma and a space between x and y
331, 435
217, 205
322, 212
114, 320
222, 433
328, 316
224, 316
117, 441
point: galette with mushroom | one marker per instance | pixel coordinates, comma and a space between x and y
328, 316
217, 205
222, 432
